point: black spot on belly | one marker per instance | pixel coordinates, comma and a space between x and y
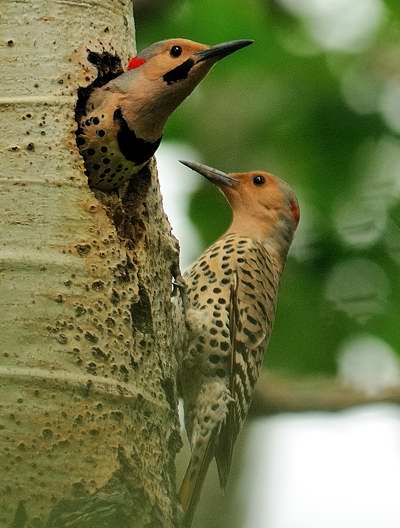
133, 148
179, 73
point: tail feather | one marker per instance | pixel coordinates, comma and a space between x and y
193, 481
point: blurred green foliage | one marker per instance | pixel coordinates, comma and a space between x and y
281, 105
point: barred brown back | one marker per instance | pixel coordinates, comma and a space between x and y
232, 291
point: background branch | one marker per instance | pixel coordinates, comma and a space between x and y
278, 394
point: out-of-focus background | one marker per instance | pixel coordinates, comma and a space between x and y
316, 100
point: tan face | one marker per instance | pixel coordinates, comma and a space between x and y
180, 61
261, 194
172, 54
255, 195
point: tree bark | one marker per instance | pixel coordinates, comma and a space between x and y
88, 422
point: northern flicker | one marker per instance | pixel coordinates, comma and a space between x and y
124, 119
231, 293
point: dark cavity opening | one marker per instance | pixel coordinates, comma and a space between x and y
142, 319
108, 68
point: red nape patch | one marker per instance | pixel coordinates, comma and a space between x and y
135, 62
295, 211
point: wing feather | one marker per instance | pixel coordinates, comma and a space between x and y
251, 312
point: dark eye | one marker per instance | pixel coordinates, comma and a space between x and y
175, 51
258, 180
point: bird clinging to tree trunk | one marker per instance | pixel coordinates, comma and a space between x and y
124, 119
232, 293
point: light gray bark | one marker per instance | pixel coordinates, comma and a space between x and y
88, 421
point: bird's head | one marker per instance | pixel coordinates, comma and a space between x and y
175, 66
160, 77
262, 204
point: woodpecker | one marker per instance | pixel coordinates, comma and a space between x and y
231, 297
124, 119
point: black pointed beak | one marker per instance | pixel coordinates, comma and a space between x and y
214, 175
222, 50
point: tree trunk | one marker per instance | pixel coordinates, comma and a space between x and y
88, 421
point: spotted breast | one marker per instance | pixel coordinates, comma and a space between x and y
112, 152
232, 293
